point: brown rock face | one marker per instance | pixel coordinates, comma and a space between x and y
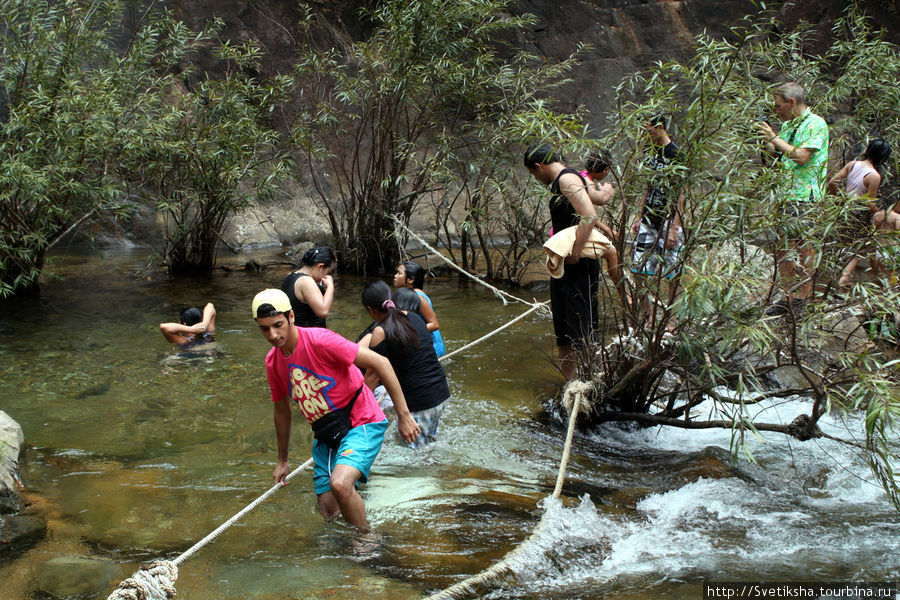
629, 35
624, 35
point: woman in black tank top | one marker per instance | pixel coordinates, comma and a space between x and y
406, 342
311, 288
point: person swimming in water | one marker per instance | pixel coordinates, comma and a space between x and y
195, 327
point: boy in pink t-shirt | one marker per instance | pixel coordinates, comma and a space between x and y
319, 370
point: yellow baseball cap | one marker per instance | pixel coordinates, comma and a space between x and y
276, 298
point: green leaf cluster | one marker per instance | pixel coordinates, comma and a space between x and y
93, 115
735, 217
62, 110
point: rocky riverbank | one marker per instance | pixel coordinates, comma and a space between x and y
19, 530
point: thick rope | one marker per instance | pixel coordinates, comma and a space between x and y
573, 396
575, 392
157, 581
193, 549
533, 308
497, 291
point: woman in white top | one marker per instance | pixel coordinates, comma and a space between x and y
861, 179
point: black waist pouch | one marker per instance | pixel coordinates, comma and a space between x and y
331, 427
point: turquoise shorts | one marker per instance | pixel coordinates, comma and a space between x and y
358, 449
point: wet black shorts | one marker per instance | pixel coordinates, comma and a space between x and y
573, 301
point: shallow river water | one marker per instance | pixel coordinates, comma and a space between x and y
132, 457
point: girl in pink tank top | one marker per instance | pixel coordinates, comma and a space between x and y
861, 179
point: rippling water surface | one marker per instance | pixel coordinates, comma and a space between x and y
133, 456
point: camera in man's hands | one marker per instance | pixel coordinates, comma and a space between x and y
753, 131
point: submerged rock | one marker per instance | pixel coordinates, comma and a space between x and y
790, 376
95, 390
710, 463
18, 533
836, 333
538, 285
74, 576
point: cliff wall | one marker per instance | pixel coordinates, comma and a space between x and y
624, 36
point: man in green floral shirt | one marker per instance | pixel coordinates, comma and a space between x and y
802, 146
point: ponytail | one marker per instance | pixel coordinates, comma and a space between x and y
396, 325
319, 254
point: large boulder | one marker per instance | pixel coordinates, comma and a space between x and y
18, 533
283, 222
836, 333
11, 440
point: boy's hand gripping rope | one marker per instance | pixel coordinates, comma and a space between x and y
497, 292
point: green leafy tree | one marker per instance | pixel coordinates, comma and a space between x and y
63, 105
91, 112
429, 95
726, 349
212, 150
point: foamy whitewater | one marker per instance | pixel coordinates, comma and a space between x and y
802, 511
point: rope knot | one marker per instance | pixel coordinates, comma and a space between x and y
575, 390
155, 581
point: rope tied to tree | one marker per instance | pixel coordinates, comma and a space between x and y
497, 291
574, 394
542, 307
535, 307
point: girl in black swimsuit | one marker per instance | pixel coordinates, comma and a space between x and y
311, 288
